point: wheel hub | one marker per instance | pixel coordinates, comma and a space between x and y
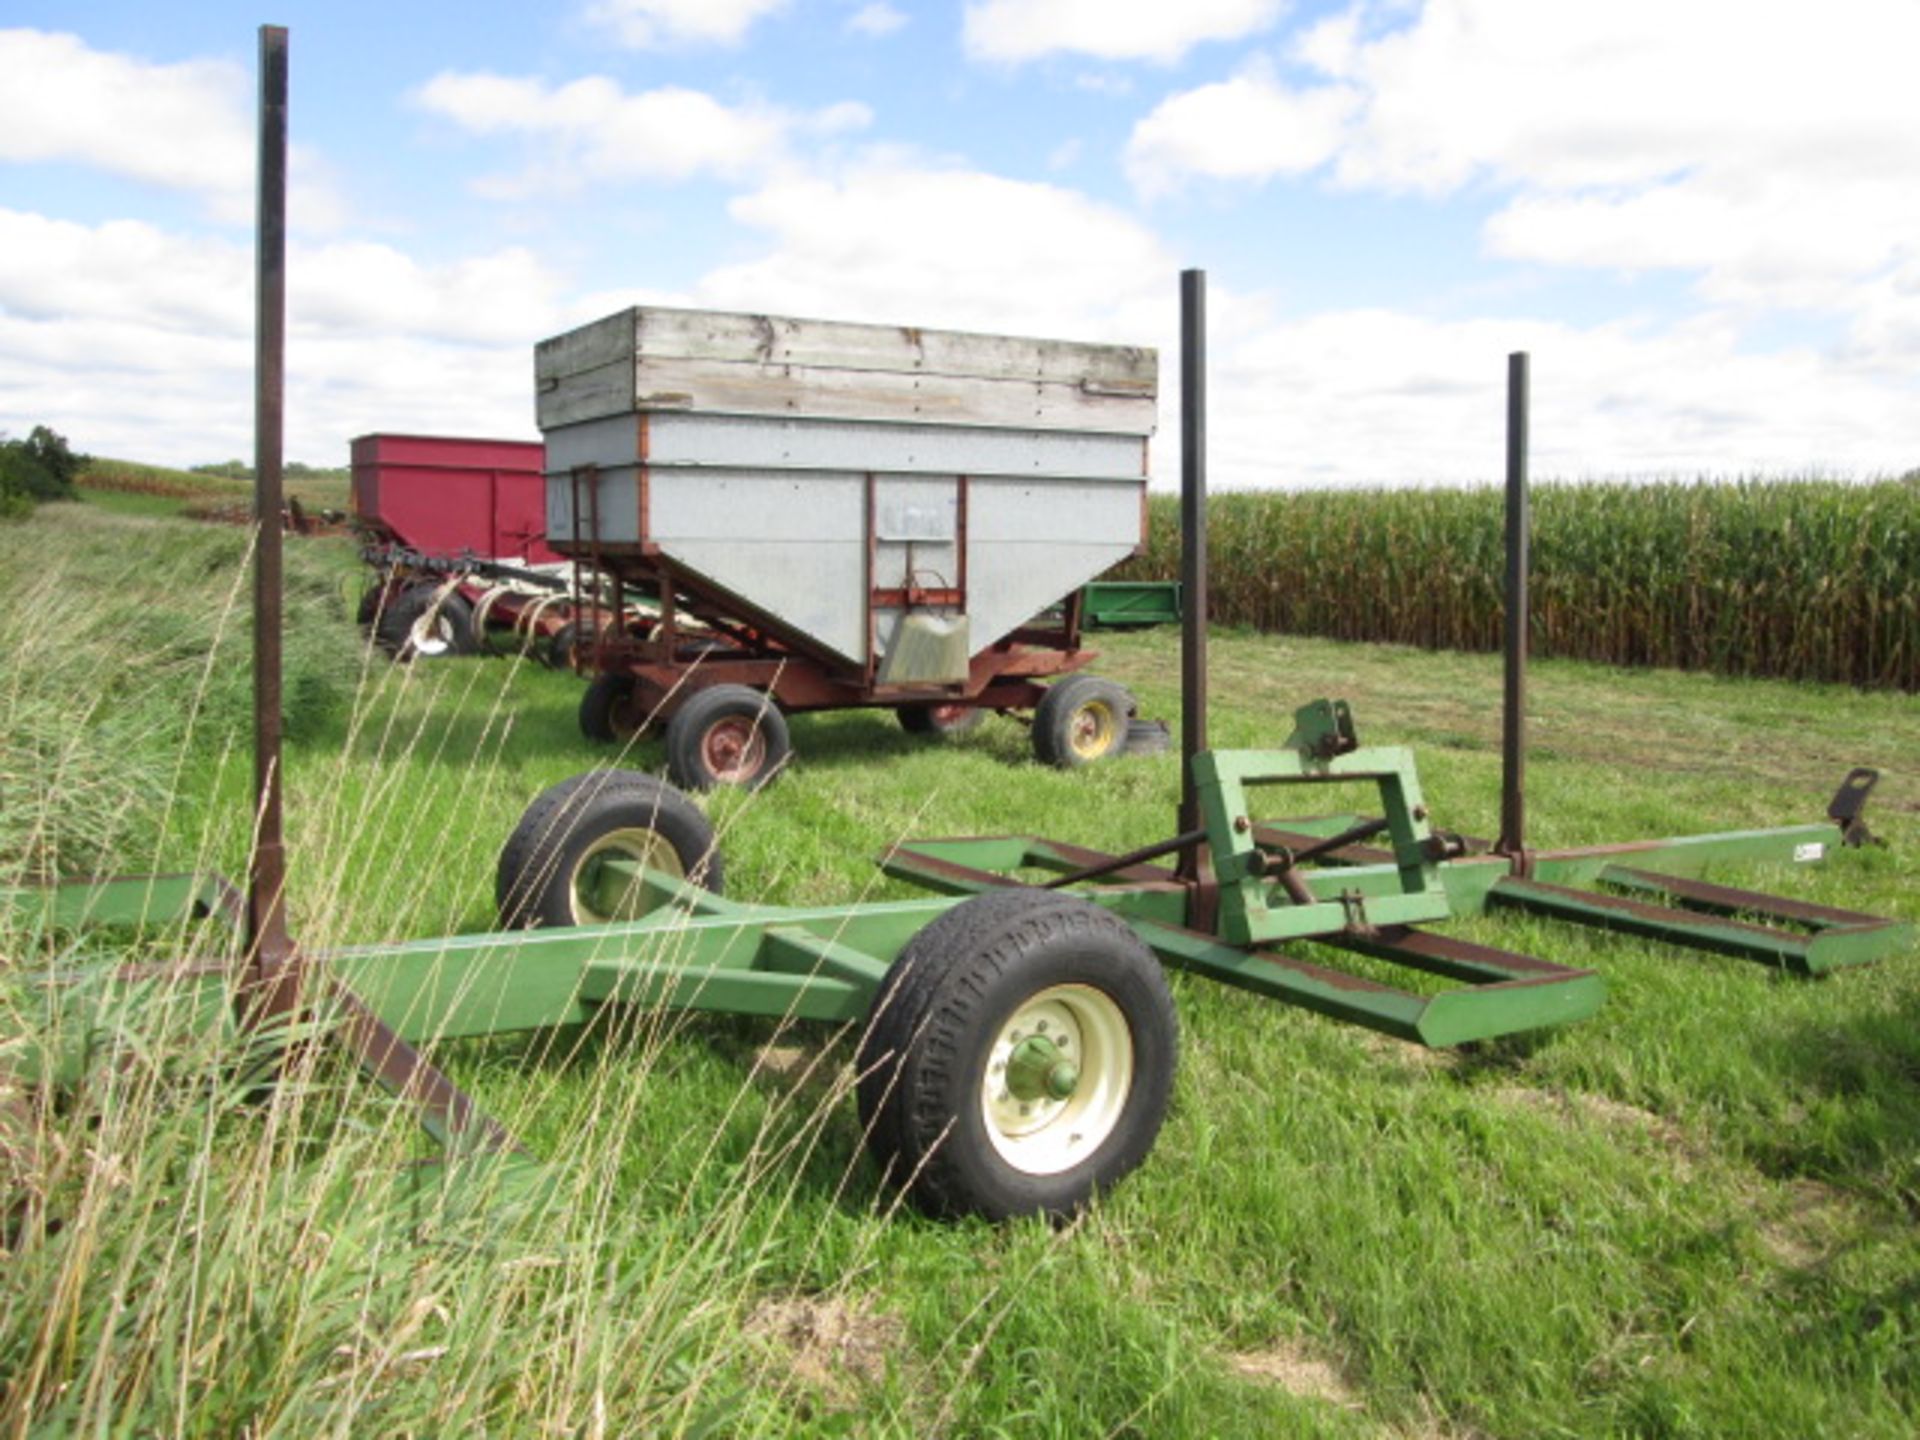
1038, 1069
1057, 1078
1092, 730
432, 635
734, 748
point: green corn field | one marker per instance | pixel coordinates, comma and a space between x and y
1798, 579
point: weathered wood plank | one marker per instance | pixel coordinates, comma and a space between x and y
672, 334
733, 388
587, 348
838, 346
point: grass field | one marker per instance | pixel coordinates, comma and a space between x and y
1692, 1215
133, 488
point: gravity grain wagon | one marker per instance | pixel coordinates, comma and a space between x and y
833, 515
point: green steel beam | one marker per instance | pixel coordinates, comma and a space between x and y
489, 984
1548, 995
1689, 855
1802, 954
132, 900
731, 989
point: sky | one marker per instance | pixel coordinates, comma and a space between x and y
1699, 217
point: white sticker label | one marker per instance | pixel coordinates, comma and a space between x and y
1804, 853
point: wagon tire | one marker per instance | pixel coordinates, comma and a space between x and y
556, 651
727, 735
407, 633
368, 610
1080, 720
1017, 998
943, 718
551, 870
612, 709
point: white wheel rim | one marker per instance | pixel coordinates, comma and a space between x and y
595, 900
431, 635
1044, 1134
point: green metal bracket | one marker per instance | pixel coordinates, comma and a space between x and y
1322, 749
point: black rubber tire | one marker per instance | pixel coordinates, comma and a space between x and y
613, 710
938, 718
371, 600
1065, 713
1148, 737
556, 651
533, 884
932, 1026
453, 628
745, 715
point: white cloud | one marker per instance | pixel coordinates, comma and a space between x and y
1625, 147
1396, 398
652, 24
894, 242
1769, 156
1013, 31
187, 126
136, 341
591, 129
1246, 128
1333, 398
183, 127
875, 20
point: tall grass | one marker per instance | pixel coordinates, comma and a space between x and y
1801, 580
186, 1253
1689, 1216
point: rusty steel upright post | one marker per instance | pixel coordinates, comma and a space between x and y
1193, 558
269, 950
1513, 721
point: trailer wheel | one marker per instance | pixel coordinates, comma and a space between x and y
1082, 719
413, 628
368, 610
940, 718
726, 735
1018, 1057
553, 868
613, 710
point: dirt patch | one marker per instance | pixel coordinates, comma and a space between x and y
1294, 1367
783, 1062
806, 1073
1817, 1216
1408, 1054
1601, 1109
828, 1343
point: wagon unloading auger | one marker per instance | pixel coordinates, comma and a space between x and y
1017, 1040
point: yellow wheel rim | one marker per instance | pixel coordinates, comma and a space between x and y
1093, 729
602, 893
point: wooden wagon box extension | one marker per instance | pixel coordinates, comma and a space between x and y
830, 479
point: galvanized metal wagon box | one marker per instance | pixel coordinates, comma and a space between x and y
862, 514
